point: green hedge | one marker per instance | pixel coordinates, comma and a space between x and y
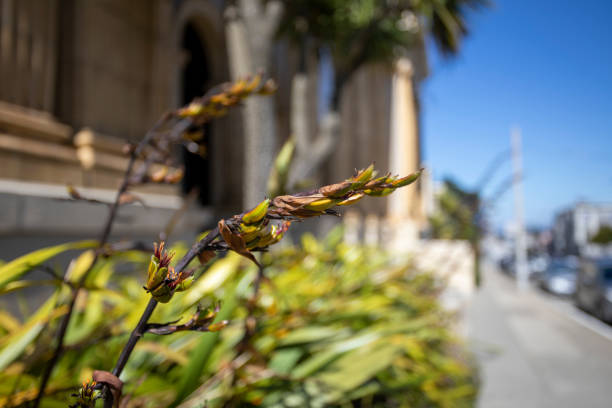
338, 325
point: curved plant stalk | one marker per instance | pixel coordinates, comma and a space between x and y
61, 333
155, 147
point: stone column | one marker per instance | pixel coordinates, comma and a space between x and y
371, 230
352, 224
250, 33
403, 210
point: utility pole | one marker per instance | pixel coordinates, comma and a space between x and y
520, 244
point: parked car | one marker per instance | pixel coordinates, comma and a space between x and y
536, 264
559, 277
594, 288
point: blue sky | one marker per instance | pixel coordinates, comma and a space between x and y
542, 65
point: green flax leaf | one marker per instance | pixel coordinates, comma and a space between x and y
18, 267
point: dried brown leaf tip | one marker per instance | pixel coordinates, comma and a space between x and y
235, 241
130, 198
206, 256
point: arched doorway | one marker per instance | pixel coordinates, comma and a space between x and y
195, 79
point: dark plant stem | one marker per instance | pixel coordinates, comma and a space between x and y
112, 214
61, 333
137, 333
198, 247
141, 327
134, 337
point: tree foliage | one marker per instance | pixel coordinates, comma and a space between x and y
456, 213
603, 235
362, 31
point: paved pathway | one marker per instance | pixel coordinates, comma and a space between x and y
535, 350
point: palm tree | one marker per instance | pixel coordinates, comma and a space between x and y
356, 33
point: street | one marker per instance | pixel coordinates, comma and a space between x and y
535, 350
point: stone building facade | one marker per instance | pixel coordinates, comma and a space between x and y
79, 77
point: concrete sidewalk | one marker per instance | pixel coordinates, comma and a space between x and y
532, 353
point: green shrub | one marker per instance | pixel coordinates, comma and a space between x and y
346, 326
339, 325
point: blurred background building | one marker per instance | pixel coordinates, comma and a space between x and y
81, 77
575, 228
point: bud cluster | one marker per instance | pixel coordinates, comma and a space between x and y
185, 126
217, 102
347, 192
255, 230
162, 280
87, 395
